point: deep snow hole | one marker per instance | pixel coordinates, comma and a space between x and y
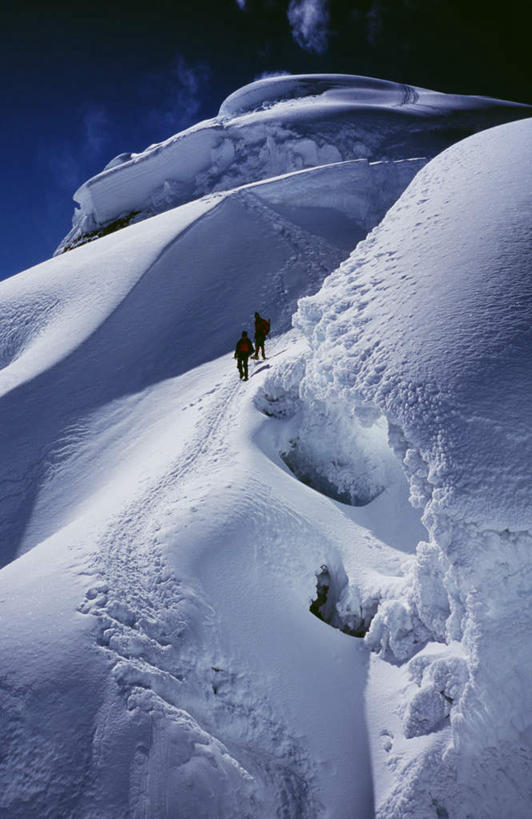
330, 586
360, 492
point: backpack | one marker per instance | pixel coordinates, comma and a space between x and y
264, 326
244, 346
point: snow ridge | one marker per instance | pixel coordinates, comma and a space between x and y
405, 329
273, 127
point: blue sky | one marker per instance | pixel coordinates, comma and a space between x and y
83, 83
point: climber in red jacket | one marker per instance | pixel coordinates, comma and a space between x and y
243, 350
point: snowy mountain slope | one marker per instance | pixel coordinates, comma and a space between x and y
164, 298
428, 325
275, 126
196, 679
165, 527
153, 517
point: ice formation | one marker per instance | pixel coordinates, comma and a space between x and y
275, 126
429, 325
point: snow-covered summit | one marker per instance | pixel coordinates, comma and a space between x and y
345, 91
276, 126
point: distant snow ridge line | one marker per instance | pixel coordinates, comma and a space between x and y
428, 327
343, 88
358, 191
276, 126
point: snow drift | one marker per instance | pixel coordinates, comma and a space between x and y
428, 325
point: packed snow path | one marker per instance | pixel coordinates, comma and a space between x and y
224, 696
186, 642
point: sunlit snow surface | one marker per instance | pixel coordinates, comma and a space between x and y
159, 556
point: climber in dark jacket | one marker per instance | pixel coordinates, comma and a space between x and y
262, 328
243, 350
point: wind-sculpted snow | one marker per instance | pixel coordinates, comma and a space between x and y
274, 127
347, 91
431, 320
339, 88
429, 325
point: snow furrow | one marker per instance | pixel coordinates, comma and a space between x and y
161, 632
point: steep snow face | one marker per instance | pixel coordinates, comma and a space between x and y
277, 126
429, 324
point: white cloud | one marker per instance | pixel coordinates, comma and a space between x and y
65, 168
180, 92
71, 159
309, 20
266, 74
96, 128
